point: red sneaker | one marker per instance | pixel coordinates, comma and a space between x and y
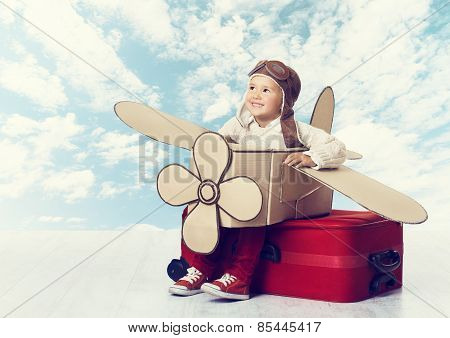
190, 284
227, 287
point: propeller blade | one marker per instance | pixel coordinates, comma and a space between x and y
201, 228
370, 194
157, 125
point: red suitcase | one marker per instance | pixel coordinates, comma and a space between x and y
347, 256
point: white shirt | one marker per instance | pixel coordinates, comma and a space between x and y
325, 150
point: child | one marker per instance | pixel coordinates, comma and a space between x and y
266, 118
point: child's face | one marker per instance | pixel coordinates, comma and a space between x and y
263, 99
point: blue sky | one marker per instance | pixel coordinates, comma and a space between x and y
69, 163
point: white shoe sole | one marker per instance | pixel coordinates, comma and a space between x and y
214, 292
183, 292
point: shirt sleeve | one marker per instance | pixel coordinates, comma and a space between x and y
230, 130
325, 149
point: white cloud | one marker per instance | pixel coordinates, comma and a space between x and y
97, 131
90, 44
241, 7
61, 219
29, 79
148, 20
30, 146
188, 32
50, 219
113, 147
223, 101
396, 158
434, 197
205, 91
389, 155
443, 139
148, 227
114, 38
80, 157
209, 38
6, 17
19, 126
44, 136
110, 189
15, 153
16, 174
75, 220
72, 185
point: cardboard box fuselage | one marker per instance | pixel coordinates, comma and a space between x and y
287, 193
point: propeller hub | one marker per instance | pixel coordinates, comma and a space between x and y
208, 192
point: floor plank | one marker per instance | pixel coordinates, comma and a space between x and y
127, 278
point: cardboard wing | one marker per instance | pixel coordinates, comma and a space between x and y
370, 194
157, 125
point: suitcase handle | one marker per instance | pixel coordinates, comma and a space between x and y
269, 252
385, 261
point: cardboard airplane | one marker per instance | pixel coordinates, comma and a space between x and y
233, 185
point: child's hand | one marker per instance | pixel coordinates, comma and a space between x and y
299, 159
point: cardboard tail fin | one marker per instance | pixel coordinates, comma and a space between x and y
322, 116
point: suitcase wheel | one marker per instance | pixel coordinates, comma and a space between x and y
385, 263
177, 268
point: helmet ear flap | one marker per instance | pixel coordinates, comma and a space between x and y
294, 83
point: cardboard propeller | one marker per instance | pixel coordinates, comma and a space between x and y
157, 125
238, 197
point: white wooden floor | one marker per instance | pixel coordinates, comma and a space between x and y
128, 278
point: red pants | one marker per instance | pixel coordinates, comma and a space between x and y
242, 263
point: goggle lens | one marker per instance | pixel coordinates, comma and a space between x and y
275, 68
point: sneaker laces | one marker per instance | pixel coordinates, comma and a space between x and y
192, 276
227, 279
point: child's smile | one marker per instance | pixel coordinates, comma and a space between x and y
263, 100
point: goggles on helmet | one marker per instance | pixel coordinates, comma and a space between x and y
276, 69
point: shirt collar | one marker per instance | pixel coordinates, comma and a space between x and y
270, 125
